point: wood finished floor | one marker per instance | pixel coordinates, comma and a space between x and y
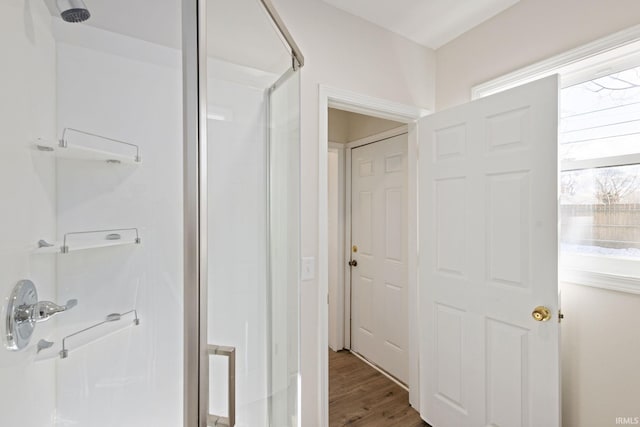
360, 396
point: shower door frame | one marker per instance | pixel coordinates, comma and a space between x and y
195, 198
194, 72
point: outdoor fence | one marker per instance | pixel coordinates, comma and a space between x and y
610, 226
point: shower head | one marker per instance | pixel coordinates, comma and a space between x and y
73, 10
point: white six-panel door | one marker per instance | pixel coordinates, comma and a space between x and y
380, 320
488, 256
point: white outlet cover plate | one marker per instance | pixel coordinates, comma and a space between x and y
308, 268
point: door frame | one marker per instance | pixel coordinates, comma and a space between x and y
364, 104
341, 338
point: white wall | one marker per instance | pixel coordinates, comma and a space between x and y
527, 32
130, 90
600, 337
345, 126
362, 126
348, 53
27, 192
338, 126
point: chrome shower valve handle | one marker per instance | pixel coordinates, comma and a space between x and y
44, 310
24, 311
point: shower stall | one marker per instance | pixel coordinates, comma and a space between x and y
150, 214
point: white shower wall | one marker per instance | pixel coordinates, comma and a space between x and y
129, 90
27, 191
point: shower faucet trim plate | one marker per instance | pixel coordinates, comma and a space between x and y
24, 311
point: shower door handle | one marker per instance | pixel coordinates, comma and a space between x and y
230, 420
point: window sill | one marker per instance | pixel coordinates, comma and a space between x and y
610, 282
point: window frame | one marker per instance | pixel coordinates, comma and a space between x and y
611, 54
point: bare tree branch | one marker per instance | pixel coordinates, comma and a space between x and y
613, 186
601, 86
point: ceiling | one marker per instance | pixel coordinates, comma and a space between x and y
431, 23
238, 31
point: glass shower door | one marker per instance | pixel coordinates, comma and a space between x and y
284, 248
251, 363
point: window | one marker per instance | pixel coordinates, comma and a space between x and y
599, 144
599, 153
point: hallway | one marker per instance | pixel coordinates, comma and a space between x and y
361, 396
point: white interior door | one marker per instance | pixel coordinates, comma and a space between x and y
488, 256
380, 320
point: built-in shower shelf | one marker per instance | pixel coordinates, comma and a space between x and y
86, 240
75, 339
113, 317
58, 247
80, 145
82, 153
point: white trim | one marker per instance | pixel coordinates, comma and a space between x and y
363, 104
347, 248
371, 106
559, 63
382, 371
600, 162
340, 300
323, 261
611, 282
610, 266
412, 266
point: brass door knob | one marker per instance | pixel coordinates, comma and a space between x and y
541, 314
